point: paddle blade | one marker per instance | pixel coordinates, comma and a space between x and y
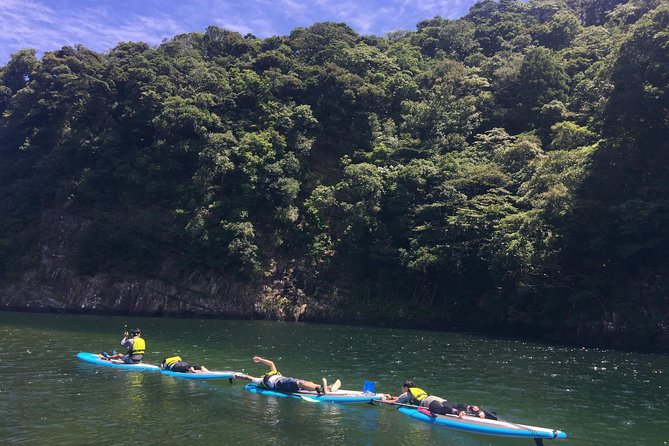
426, 412
368, 387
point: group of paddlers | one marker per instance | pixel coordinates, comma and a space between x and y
273, 379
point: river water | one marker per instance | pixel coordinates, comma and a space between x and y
48, 397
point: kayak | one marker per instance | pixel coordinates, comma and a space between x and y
483, 425
94, 358
338, 396
212, 374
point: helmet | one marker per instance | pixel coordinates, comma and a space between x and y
135, 331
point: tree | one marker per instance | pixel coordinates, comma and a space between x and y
593, 12
19, 70
567, 136
508, 167
321, 42
559, 32
541, 80
453, 38
638, 104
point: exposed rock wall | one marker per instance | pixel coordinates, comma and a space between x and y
56, 286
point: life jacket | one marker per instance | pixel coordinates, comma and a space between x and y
266, 377
416, 395
169, 362
138, 346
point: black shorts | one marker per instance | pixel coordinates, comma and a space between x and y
446, 408
284, 384
179, 367
441, 408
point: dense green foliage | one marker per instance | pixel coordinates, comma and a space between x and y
505, 169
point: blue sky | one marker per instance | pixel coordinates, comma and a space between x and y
47, 25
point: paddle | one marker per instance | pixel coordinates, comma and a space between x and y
392, 403
368, 387
423, 410
427, 412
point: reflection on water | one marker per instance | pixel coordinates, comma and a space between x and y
597, 396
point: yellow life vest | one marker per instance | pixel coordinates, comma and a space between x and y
138, 346
416, 395
172, 360
266, 376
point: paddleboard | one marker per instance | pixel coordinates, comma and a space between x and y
212, 374
483, 426
338, 396
93, 358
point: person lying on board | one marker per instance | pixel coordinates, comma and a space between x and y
176, 364
135, 345
275, 381
416, 396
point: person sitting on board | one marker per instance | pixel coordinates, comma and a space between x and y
176, 364
416, 396
136, 347
275, 381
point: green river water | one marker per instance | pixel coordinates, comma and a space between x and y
48, 397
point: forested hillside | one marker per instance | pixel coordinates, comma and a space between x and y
506, 170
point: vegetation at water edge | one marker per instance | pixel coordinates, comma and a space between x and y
506, 169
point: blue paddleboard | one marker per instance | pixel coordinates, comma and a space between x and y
338, 396
93, 358
483, 426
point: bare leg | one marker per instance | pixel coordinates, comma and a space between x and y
307, 385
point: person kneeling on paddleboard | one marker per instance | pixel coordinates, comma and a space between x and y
136, 347
275, 381
176, 364
416, 396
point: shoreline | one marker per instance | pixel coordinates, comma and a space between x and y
517, 333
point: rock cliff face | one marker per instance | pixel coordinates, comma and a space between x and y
56, 286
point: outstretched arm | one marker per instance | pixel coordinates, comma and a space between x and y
244, 376
267, 362
401, 399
